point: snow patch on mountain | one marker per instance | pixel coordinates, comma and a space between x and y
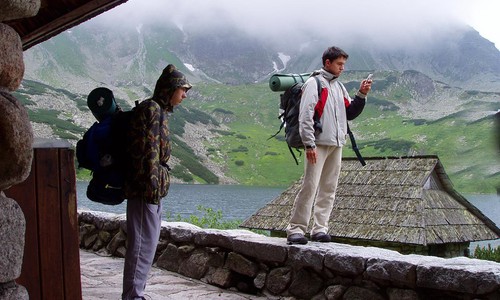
284, 60
190, 67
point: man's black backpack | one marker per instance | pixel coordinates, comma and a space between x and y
102, 150
290, 105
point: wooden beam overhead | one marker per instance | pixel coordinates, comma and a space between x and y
56, 16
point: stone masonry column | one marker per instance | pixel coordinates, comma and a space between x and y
16, 151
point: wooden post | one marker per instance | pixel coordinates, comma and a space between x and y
51, 264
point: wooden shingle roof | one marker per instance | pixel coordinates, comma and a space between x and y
406, 200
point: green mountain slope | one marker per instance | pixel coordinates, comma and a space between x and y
430, 101
399, 119
463, 137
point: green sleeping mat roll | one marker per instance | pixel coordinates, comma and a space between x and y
281, 82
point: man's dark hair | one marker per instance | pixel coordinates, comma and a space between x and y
332, 53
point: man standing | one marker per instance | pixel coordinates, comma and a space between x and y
323, 147
148, 180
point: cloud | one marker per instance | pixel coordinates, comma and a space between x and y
387, 22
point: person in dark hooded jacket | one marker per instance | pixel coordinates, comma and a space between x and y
148, 179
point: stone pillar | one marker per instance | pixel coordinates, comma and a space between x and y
16, 151
12, 228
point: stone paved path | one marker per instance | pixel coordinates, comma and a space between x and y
102, 279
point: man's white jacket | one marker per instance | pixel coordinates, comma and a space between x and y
338, 109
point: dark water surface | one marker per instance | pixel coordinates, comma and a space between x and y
489, 205
236, 202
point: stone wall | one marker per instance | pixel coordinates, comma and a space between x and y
444, 250
257, 264
16, 138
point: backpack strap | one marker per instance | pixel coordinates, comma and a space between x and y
351, 135
281, 127
355, 146
293, 154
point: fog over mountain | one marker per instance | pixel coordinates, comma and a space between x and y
248, 41
390, 23
211, 37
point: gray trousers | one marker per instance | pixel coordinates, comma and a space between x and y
320, 182
143, 233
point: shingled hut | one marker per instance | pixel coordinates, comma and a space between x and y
407, 204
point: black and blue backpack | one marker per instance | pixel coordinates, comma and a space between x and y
102, 150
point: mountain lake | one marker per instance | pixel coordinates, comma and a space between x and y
238, 202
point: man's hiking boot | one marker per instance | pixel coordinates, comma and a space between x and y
321, 237
296, 238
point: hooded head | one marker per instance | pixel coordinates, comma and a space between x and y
170, 79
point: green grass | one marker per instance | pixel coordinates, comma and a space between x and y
487, 253
458, 143
250, 130
62, 127
191, 163
208, 218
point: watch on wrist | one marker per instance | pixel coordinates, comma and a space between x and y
310, 147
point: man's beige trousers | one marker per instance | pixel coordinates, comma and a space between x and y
321, 177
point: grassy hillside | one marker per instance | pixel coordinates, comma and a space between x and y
464, 145
465, 148
398, 120
250, 111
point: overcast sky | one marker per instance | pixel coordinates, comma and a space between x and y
389, 22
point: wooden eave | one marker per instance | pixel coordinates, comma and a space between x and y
56, 16
448, 187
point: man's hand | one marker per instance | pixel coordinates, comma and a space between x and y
365, 86
311, 155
